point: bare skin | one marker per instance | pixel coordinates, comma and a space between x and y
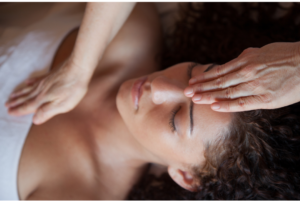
69, 156
47, 95
132, 115
259, 78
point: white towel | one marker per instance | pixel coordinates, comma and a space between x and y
29, 36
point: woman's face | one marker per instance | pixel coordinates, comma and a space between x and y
165, 121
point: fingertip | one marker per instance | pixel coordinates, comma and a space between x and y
37, 121
197, 98
189, 92
192, 81
37, 118
216, 106
13, 112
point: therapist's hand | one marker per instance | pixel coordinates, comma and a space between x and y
57, 92
259, 78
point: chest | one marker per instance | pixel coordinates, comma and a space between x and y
57, 161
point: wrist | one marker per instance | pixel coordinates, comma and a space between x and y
78, 71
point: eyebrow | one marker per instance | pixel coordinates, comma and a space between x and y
189, 73
210, 67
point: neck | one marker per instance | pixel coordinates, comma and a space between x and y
119, 159
115, 146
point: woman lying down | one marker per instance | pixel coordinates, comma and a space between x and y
133, 115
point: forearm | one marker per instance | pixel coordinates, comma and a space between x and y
100, 24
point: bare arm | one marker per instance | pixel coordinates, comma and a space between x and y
100, 24
63, 88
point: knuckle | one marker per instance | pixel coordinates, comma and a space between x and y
248, 71
219, 70
229, 93
241, 103
227, 106
208, 96
198, 88
219, 82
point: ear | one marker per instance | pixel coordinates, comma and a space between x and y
183, 178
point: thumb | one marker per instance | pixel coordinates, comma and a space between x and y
44, 113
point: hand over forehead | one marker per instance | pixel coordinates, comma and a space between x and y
259, 78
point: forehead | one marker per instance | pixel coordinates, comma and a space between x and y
209, 124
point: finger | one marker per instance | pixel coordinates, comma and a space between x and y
246, 77
22, 92
218, 83
248, 50
45, 112
225, 94
28, 107
31, 80
237, 105
34, 80
21, 99
36, 90
218, 71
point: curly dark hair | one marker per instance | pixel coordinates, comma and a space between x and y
260, 159
260, 156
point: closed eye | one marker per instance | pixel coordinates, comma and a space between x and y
175, 111
172, 119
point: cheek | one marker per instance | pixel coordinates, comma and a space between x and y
152, 131
149, 127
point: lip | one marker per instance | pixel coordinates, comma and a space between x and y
136, 91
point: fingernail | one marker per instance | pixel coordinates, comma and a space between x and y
192, 81
215, 106
197, 98
189, 91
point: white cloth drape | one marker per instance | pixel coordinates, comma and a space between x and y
29, 36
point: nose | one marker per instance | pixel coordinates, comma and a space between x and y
164, 89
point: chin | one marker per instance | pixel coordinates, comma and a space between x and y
125, 106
